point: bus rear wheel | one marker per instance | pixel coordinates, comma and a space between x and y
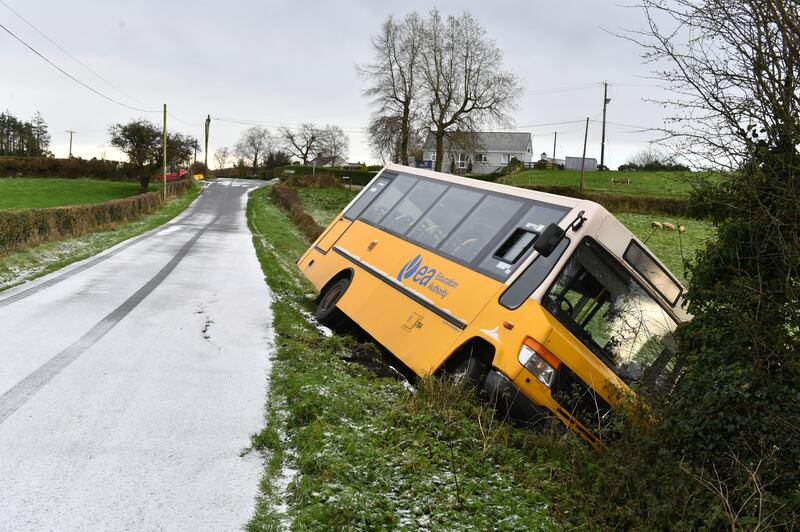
327, 313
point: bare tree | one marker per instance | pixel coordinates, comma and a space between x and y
333, 143
303, 142
463, 80
253, 143
394, 87
733, 70
221, 156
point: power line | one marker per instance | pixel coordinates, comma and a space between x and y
73, 78
51, 41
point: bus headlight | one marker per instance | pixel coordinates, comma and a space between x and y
539, 361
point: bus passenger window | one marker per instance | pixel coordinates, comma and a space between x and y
412, 206
444, 216
480, 227
388, 198
366, 197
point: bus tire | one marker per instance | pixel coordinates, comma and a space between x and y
327, 313
472, 371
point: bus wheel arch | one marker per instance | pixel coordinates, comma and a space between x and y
472, 361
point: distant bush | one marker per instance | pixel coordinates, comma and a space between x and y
286, 197
655, 166
621, 202
29, 227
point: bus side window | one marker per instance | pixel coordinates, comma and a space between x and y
391, 194
444, 216
480, 227
366, 197
529, 280
410, 208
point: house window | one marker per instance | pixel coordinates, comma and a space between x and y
433, 156
461, 160
481, 158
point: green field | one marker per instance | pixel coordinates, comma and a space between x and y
641, 183
26, 193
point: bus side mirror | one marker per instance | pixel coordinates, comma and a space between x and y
548, 239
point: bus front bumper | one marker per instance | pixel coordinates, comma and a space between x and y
512, 403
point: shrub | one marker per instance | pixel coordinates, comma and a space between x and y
286, 197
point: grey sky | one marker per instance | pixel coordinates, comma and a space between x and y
283, 63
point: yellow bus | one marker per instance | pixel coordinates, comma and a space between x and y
548, 303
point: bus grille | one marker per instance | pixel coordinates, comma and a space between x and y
579, 399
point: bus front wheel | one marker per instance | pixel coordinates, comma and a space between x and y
327, 313
472, 371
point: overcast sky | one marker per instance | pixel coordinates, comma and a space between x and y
287, 62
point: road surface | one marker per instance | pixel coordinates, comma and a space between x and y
131, 382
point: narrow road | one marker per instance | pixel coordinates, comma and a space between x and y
131, 382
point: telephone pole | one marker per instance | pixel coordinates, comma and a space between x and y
606, 101
165, 151
583, 159
555, 138
205, 157
70, 141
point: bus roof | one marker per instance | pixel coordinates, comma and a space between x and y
555, 199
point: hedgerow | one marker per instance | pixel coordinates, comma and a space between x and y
29, 227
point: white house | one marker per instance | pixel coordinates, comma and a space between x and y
487, 151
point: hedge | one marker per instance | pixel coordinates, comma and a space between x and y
68, 168
29, 227
357, 177
621, 202
286, 197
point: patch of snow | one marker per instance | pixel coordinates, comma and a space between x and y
492, 333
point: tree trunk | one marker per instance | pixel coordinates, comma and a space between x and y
439, 149
404, 132
144, 179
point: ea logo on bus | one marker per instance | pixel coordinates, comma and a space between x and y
414, 268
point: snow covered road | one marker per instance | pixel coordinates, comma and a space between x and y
131, 382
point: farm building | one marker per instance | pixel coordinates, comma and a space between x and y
574, 163
485, 152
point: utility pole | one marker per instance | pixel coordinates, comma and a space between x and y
583, 159
205, 157
165, 152
70, 141
555, 138
606, 101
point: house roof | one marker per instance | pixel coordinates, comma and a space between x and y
321, 161
481, 141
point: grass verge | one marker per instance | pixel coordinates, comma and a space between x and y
29, 263
42, 192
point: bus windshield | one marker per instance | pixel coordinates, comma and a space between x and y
608, 310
